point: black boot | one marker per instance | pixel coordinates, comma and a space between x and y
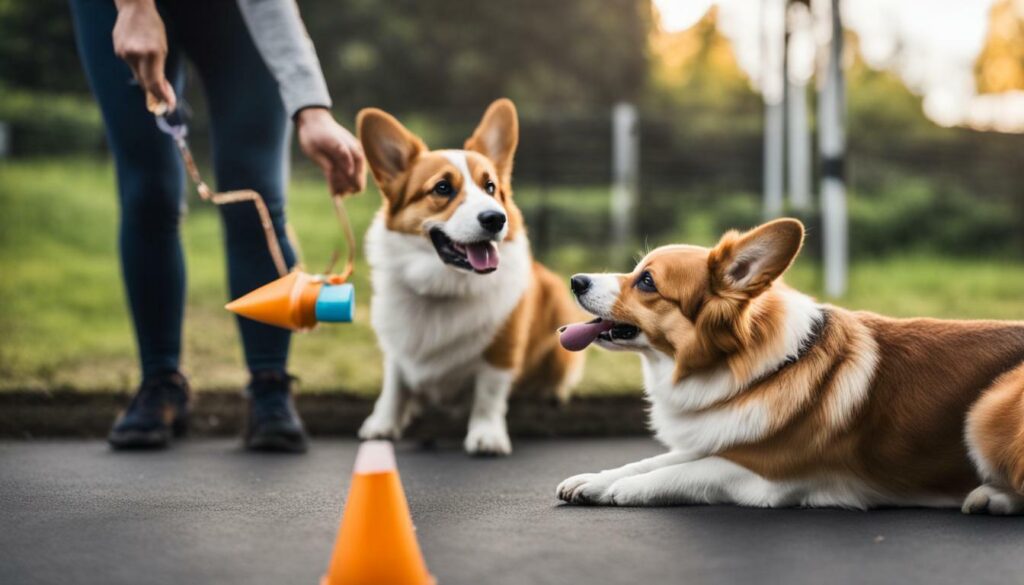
273, 423
158, 411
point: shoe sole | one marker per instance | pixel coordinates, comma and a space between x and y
276, 444
140, 440
158, 439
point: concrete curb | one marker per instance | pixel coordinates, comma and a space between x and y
218, 413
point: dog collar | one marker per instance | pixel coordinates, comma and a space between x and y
818, 328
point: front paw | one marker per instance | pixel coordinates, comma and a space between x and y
585, 488
380, 427
989, 499
488, 438
629, 491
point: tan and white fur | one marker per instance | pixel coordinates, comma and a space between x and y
768, 398
451, 323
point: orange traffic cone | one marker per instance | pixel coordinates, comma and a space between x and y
298, 301
376, 541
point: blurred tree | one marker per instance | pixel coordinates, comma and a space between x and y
418, 55
432, 55
439, 55
1000, 67
37, 46
695, 70
881, 109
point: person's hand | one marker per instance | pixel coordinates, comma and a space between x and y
140, 39
333, 148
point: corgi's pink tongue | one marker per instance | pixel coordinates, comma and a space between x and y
578, 336
482, 256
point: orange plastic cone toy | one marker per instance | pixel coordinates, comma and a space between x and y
298, 301
376, 541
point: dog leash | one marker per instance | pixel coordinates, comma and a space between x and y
178, 131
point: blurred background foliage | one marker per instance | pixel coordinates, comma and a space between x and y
437, 63
927, 204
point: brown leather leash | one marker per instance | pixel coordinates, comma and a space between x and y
179, 131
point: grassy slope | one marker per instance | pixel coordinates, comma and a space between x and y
63, 321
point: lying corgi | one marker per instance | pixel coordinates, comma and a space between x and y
767, 398
459, 305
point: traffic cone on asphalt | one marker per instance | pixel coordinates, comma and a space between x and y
298, 301
376, 542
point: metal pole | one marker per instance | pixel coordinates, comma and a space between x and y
832, 145
799, 69
625, 173
773, 30
5, 140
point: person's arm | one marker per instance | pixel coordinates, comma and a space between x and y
281, 38
286, 48
141, 40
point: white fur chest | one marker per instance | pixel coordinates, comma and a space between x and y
433, 321
680, 425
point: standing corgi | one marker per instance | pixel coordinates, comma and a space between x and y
767, 398
459, 305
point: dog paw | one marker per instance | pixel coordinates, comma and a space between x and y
585, 489
488, 438
628, 491
379, 427
988, 499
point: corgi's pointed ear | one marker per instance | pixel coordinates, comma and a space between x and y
390, 148
747, 264
497, 137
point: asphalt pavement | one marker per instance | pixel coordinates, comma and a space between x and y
74, 512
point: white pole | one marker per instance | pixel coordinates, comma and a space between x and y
625, 173
832, 145
773, 40
799, 69
5, 140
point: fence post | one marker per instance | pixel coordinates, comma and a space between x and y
541, 228
799, 69
773, 30
5, 140
832, 145
625, 174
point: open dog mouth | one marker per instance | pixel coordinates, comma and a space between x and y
480, 257
578, 336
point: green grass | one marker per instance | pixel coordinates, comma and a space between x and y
63, 322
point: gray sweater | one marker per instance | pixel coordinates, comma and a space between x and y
284, 44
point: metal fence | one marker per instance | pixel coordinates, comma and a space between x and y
564, 169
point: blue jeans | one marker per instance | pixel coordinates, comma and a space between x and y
250, 135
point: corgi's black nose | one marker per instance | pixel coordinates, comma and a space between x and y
580, 284
492, 221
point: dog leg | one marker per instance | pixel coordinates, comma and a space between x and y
711, 480
389, 418
990, 499
589, 488
488, 434
995, 441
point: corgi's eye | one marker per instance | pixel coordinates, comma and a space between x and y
490, 187
646, 282
444, 188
